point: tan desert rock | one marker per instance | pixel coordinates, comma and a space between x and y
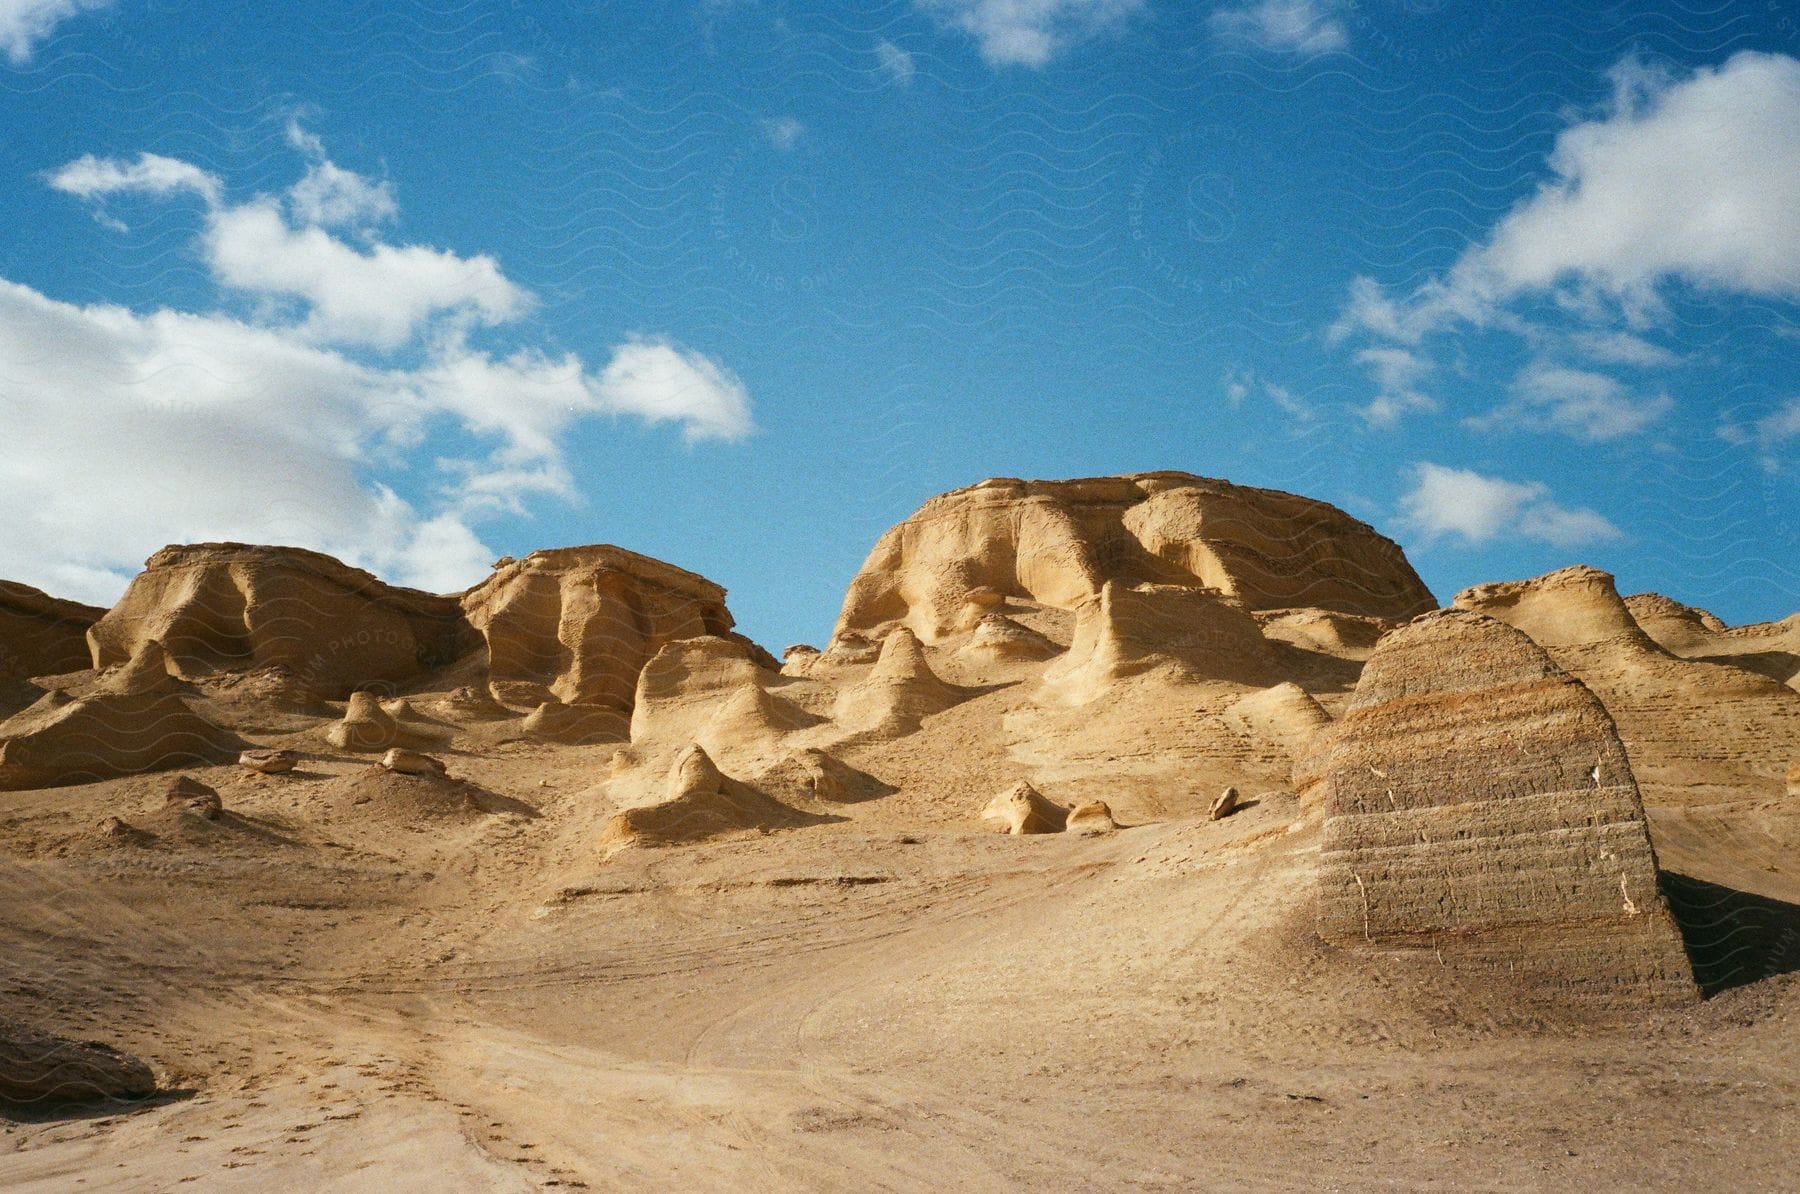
412, 762
1224, 806
799, 659
1286, 715
579, 623
268, 762
232, 607
366, 726
1000, 639
1793, 778
1769, 648
1125, 631
1481, 804
1751, 722
1022, 809
184, 793
61, 741
39, 1069
1093, 816
469, 701
898, 693
577, 724
40, 635
699, 802
684, 685
1329, 632
1055, 543
145, 672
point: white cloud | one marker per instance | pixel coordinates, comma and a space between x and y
1030, 32
1621, 348
92, 178
1694, 179
660, 382
331, 196
1478, 509
1586, 405
383, 297
128, 429
783, 133
1397, 374
1770, 434
1303, 27
25, 23
894, 62
1241, 384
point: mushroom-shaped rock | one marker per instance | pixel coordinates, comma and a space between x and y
1094, 816
38, 1068
1224, 805
1479, 803
268, 762
899, 692
412, 762
1023, 809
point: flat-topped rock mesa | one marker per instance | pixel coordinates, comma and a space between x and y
1751, 724
1057, 543
578, 623
1479, 803
40, 635
234, 607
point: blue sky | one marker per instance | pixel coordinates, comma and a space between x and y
739, 284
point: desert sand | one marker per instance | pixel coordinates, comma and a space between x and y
1505, 895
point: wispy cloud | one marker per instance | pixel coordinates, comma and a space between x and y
24, 24
1586, 405
783, 132
1301, 27
1030, 32
894, 63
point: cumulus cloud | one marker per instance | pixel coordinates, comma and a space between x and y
1693, 179
1586, 405
306, 424
1451, 502
1030, 32
1302, 27
894, 62
25, 23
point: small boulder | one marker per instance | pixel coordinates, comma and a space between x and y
1224, 806
184, 793
268, 762
412, 762
1095, 816
1023, 809
38, 1068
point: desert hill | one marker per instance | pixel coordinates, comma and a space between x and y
1135, 832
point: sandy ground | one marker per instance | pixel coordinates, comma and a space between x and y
392, 996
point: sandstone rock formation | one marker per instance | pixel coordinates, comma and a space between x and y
38, 1068
412, 762
1093, 816
268, 762
145, 672
577, 724
699, 802
1022, 809
688, 680
368, 726
61, 740
1285, 715
1480, 803
1751, 726
1124, 631
579, 623
899, 692
1224, 806
1769, 648
40, 635
184, 793
1056, 543
999, 639
230, 607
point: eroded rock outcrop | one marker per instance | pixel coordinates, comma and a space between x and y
1128, 630
1769, 648
40, 635
899, 692
1056, 543
62, 740
1479, 803
699, 802
231, 607
579, 623
1022, 809
1751, 726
